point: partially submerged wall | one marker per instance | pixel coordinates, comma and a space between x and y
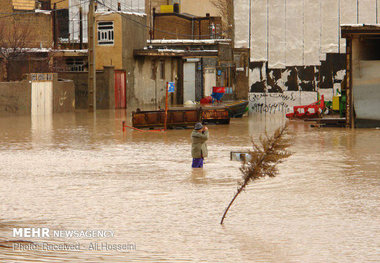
151, 75
16, 97
105, 88
63, 96
296, 45
324, 79
272, 103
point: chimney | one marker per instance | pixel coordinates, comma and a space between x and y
176, 8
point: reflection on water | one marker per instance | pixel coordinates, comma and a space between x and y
75, 171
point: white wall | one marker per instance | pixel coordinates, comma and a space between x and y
287, 33
272, 103
298, 32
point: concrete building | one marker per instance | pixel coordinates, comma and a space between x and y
363, 79
196, 66
136, 7
195, 7
117, 35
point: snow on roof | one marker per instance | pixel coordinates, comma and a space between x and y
187, 41
71, 50
120, 12
46, 50
182, 51
360, 25
46, 12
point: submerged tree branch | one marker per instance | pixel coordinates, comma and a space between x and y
264, 160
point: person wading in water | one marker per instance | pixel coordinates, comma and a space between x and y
199, 136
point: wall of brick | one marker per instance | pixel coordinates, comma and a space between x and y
174, 26
38, 24
6, 6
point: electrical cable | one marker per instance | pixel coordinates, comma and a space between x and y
148, 27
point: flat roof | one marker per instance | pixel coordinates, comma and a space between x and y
174, 52
187, 41
359, 29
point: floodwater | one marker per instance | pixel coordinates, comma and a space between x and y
77, 172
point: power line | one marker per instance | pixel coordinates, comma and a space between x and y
149, 27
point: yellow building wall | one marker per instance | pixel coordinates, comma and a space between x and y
24, 4
110, 55
60, 4
198, 7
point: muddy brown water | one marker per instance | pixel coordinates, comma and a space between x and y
77, 172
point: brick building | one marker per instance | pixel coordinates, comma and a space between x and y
185, 26
25, 36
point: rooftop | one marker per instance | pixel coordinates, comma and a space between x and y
368, 29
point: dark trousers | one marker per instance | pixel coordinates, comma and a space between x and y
197, 163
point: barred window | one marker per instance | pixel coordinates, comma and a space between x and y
105, 33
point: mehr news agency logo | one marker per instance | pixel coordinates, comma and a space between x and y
44, 232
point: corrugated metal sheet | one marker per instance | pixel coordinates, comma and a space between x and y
276, 34
259, 29
24, 4
286, 33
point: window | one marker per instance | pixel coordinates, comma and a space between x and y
105, 33
75, 64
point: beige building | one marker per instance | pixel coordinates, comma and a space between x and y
117, 35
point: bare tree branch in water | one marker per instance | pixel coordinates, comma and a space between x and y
264, 160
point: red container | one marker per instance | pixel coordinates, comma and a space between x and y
218, 89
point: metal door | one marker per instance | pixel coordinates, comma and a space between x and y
120, 89
210, 80
189, 81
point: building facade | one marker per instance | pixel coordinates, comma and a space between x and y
26, 35
296, 47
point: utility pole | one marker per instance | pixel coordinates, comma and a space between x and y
91, 58
55, 31
80, 28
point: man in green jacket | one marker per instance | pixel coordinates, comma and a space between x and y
199, 136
